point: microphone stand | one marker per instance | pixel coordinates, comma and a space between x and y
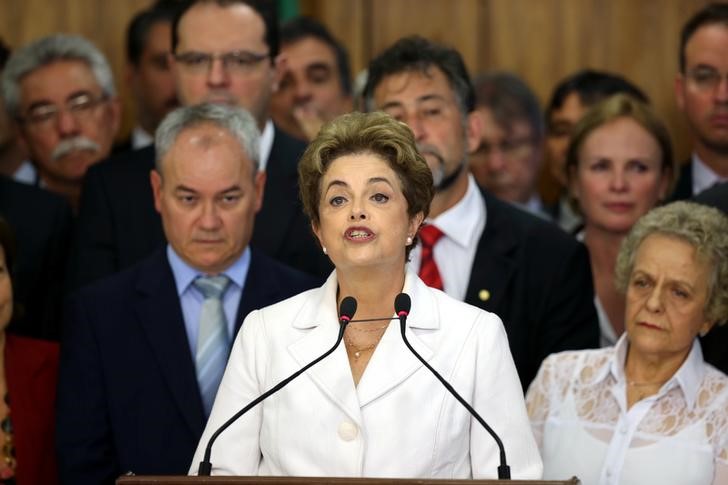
205, 468
402, 306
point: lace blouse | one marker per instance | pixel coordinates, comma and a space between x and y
578, 410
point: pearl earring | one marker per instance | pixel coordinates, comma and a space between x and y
409, 240
325, 250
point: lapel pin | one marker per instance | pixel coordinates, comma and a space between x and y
484, 295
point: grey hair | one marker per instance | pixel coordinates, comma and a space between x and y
235, 120
705, 228
45, 51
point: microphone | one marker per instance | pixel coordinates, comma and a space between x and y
346, 312
402, 305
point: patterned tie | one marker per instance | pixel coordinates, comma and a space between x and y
429, 273
213, 344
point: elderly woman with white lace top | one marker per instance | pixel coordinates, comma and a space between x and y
649, 409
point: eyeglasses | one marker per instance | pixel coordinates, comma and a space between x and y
513, 148
81, 107
236, 62
706, 79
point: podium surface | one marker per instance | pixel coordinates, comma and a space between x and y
178, 480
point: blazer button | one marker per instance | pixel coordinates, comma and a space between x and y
484, 295
348, 431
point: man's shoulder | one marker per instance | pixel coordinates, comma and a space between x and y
29, 195
122, 286
265, 269
506, 220
124, 164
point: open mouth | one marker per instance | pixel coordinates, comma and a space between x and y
358, 234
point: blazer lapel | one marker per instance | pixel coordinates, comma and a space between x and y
332, 375
160, 316
493, 266
392, 362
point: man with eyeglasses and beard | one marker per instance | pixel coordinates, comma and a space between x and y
61, 91
223, 51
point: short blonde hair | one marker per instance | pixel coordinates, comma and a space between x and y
704, 228
376, 133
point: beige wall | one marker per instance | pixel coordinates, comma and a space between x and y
541, 40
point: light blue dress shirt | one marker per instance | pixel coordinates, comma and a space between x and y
191, 298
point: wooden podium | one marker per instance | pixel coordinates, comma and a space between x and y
177, 480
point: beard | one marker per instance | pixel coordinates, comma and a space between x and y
441, 180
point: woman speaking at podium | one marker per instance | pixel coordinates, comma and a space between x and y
370, 409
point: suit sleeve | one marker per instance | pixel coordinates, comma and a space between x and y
94, 253
568, 318
84, 437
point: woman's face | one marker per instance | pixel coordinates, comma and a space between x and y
666, 296
363, 218
6, 292
619, 176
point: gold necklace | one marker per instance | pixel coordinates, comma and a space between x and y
357, 351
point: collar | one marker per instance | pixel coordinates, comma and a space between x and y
688, 377
184, 274
140, 138
423, 313
266, 144
703, 176
464, 222
26, 173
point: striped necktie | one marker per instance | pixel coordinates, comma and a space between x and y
213, 343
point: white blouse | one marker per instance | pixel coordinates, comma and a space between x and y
578, 410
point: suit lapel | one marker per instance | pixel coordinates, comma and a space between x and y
160, 315
493, 266
392, 362
332, 375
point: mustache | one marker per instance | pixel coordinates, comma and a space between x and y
70, 145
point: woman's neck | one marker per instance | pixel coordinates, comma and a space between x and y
651, 369
373, 289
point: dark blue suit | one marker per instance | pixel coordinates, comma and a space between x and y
128, 398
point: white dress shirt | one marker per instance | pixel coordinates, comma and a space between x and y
462, 226
703, 176
266, 144
578, 410
399, 421
140, 138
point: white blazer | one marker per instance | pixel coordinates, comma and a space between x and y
398, 422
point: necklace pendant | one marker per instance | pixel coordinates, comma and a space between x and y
357, 354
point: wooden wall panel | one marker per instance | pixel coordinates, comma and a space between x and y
542, 40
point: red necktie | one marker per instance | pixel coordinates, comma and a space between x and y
429, 273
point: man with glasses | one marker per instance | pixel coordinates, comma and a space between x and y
61, 91
508, 158
223, 51
701, 89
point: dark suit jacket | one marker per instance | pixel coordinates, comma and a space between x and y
684, 187
119, 226
31, 371
538, 279
715, 344
128, 398
42, 225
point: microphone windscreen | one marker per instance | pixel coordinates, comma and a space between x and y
402, 304
347, 309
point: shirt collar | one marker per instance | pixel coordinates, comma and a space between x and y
266, 144
460, 222
140, 138
688, 377
184, 274
703, 176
